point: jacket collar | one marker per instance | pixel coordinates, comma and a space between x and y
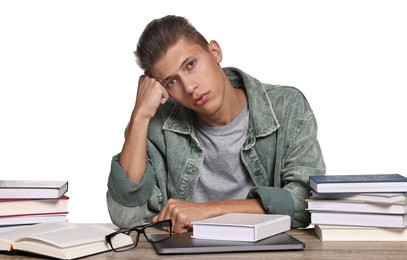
262, 116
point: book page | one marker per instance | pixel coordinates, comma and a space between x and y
76, 236
9, 236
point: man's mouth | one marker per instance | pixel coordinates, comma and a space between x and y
201, 99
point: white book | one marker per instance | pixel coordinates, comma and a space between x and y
32, 219
366, 197
241, 227
32, 189
60, 240
357, 206
349, 233
358, 219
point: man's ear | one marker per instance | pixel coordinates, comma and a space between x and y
216, 51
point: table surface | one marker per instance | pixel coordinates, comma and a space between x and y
314, 249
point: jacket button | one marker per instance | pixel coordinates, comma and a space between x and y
257, 173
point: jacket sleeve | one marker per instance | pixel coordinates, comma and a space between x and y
131, 204
301, 157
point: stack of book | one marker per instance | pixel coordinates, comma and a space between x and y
32, 202
359, 207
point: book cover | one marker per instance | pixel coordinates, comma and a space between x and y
373, 183
349, 233
60, 240
358, 219
27, 189
241, 227
13, 207
357, 206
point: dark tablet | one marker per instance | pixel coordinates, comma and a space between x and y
184, 244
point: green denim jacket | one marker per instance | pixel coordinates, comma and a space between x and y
280, 153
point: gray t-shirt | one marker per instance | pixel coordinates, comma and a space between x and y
223, 175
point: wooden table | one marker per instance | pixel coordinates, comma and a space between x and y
314, 249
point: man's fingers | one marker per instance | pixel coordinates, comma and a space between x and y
180, 223
152, 81
155, 219
165, 95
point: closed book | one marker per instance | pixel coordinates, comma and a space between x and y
366, 197
373, 183
33, 219
241, 227
12, 207
358, 219
357, 206
348, 233
60, 240
32, 189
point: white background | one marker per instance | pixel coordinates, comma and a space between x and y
68, 80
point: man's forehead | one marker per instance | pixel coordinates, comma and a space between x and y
174, 58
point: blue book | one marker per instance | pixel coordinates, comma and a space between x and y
360, 183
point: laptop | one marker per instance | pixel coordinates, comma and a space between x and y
183, 243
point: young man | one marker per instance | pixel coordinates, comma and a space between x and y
204, 141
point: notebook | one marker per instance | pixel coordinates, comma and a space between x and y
184, 244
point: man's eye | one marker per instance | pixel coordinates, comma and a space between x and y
171, 83
191, 64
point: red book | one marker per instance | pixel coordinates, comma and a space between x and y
17, 207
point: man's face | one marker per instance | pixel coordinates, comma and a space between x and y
192, 76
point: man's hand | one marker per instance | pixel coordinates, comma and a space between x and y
183, 213
150, 95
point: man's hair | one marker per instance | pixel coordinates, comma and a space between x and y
161, 34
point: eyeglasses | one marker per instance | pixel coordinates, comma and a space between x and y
153, 232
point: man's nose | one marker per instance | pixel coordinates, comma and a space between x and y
190, 84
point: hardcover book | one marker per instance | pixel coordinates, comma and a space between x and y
25, 189
358, 219
13, 207
348, 233
357, 206
373, 183
60, 240
241, 227
387, 198
33, 219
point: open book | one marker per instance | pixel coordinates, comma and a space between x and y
60, 239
